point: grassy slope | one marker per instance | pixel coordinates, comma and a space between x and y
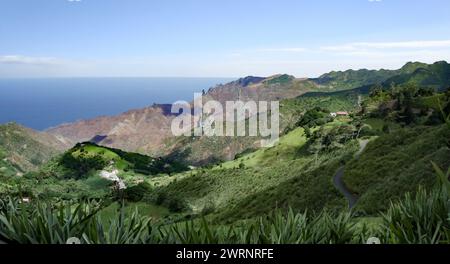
117, 159
286, 149
202, 186
60, 178
397, 163
287, 175
306, 188
24, 149
7, 169
268, 178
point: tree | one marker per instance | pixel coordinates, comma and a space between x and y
426, 91
376, 90
357, 122
137, 193
83, 163
307, 132
386, 129
408, 92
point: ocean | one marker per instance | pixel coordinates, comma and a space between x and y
44, 103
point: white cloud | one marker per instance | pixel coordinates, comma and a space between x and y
19, 59
309, 61
360, 46
282, 50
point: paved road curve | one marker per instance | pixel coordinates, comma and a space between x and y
340, 185
339, 182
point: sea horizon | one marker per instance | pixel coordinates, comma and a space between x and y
42, 103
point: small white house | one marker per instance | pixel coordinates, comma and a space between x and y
342, 113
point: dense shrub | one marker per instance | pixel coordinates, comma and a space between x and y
315, 117
80, 165
173, 202
138, 192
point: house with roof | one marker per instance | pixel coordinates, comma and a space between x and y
341, 113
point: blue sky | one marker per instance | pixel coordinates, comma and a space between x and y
209, 38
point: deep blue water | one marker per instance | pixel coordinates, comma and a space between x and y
43, 103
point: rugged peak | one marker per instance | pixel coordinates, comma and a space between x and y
246, 81
166, 109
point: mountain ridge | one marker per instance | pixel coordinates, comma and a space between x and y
148, 130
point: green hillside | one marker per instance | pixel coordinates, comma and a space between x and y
210, 150
421, 74
351, 79
298, 172
76, 173
7, 168
375, 157
397, 163
22, 149
336, 91
436, 75
85, 157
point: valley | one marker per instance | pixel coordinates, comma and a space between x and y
356, 148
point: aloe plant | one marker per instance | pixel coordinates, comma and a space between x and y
276, 228
42, 223
133, 229
425, 218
